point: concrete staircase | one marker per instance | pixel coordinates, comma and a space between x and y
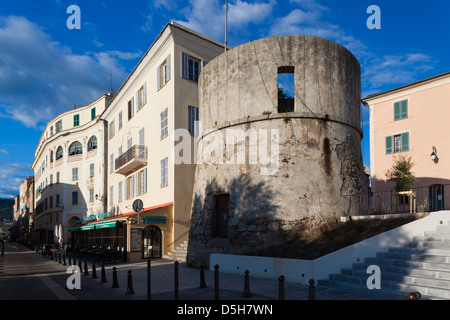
421, 265
179, 254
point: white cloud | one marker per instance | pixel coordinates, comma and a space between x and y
395, 69
40, 78
389, 70
307, 20
208, 17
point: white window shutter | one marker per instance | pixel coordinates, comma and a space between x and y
144, 181
144, 94
137, 101
125, 189
158, 78
168, 67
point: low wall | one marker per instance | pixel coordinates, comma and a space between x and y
300, 271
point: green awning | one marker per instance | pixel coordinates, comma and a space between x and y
104, 225
88, 227
74, 229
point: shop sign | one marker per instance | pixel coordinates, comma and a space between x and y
104, 215
154, 220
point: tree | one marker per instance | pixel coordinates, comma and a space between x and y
401, 174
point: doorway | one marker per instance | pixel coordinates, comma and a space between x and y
151, 243
436, 196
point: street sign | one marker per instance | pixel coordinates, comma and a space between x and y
138, 205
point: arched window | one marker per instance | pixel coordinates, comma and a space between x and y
59, 153
75, 148
92, 144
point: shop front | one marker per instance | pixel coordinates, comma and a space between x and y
107, 234
151, 233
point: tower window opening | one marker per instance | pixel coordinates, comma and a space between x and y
286, 89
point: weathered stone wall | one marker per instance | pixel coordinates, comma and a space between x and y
318, 172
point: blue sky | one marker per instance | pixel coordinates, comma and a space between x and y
45, 68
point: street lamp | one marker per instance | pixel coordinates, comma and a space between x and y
433, 155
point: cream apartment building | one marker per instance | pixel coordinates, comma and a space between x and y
158, 99
69, 172
411, 121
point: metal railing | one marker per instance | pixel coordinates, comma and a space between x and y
136, 152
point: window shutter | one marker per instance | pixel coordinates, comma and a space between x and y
158, 78
125, 189
144, 181
168, 67
141, 137
184, 65
404, 109
397, 111
137, 101
136, 180
389, 145
405, 141
132, 186
144, 94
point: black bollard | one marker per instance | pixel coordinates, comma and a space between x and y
70, 261
103, 280
130, 284
94, 272
59, 257
247, 293
86, 271
312, 290
3, 248
149, 280
115, 283
281, 288
202, 278
216, 282
79, 265
64, 260
176, 280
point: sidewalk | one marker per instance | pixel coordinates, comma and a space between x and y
162, 281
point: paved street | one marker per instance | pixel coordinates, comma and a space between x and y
27, 275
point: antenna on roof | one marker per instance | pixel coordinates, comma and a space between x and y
226, 25
111, 90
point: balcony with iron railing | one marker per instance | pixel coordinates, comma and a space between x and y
132, 160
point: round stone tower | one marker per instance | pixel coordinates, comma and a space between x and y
278, 144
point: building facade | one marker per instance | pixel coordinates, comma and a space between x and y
154, 111
69, 172
409, 121
26, 200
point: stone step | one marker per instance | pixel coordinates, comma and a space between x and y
432, 287
376, 293
422, 265
179, 253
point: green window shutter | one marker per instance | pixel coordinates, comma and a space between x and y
396, 111
400, 110
389, 145
405, 141
404, 109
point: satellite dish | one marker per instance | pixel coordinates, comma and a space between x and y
138, 205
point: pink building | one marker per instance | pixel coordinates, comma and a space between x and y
412, 121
